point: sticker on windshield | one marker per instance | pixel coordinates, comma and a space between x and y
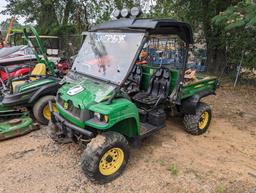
112, 38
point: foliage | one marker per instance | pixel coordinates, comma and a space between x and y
220, 188
225, 27
199, 14
5, 24
173, 169
49, 15
239, 25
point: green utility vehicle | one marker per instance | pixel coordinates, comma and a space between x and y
30, 92
128, 75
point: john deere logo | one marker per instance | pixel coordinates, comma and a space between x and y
65, 106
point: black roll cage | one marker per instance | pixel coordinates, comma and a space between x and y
151, 27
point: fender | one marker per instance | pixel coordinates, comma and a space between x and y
49, 89
188, 106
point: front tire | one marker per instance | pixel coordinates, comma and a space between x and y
198, 123
41, 109
105, 157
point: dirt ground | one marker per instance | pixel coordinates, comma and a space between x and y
222, 160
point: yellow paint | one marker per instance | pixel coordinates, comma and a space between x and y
65, 105
111, 161
39, 70
47, 113
105, 118
204, 119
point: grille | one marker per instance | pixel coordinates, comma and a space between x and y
76, 112
71, 108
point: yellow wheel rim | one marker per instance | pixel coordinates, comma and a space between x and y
203, 120
47, 112
111, 161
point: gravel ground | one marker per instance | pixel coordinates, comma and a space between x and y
222, 160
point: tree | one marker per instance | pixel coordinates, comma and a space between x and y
50, 15
239, 25
199, 14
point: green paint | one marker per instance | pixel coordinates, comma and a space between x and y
33, 84
205, 84
40, 51
123, 114
92, 92
8, 130
93, 97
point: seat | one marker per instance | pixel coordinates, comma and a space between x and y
132, 85
158, 89
39, 70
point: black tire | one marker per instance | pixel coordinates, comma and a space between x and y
95, 152
38, 109
54, 133
192, 122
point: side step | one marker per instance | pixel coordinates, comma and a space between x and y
147, 129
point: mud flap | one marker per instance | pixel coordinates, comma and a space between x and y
17, 127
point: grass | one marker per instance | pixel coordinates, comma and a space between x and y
162, 163
220, 188
173, 169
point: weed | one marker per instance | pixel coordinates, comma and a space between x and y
220, 188
173, 169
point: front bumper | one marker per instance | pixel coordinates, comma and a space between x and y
67, 127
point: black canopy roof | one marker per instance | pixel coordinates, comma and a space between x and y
152, 26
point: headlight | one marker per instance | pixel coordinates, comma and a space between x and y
105, 118
125, 12
135, 11
101, 117
116, 13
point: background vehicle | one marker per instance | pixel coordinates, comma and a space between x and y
16, 61
110, 100
51, 46
32, 91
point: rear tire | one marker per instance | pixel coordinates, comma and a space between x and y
105, 157
41, 109
198, 123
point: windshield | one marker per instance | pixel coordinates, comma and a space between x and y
108, 56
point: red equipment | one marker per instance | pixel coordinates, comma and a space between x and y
13, 71
63, 66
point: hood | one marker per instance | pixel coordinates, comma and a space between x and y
85, 93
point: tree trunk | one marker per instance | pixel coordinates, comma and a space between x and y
216, 47
47, 19
67, 10
216, 60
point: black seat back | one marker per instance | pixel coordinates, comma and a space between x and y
165, 83
159, 83
132, 84
136, 74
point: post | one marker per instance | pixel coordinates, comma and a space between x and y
239, 69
